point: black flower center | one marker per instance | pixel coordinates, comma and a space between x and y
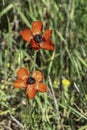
38, 38
30, 80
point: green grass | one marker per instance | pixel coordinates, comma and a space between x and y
59, 108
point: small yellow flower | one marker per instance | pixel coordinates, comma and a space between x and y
8, 64
66, 83
56, 83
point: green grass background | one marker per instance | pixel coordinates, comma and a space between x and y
58, 109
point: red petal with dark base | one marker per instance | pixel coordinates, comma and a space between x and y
19, 84
41, 87
26, 34
34, 45
47, 34
31, 91
37, 27
48, 45
38, 76
22, 73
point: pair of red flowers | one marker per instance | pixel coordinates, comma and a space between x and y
37, 40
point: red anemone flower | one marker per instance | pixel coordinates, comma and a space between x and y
35, 37
32, 84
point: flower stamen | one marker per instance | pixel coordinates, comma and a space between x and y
31, 80
38, 38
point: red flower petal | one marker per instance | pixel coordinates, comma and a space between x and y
19, 83
37, 27
47, 34
48, 45
41, 87
22, 73
31, 91
34, 45
26, 34
38, 76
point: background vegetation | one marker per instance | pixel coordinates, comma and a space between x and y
64, 106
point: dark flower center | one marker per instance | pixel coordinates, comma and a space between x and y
30, 80
38, 38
